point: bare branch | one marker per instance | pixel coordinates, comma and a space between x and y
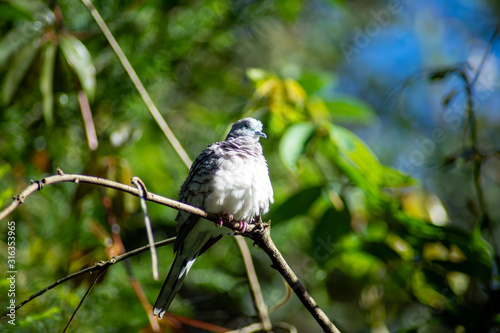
262, 238
83, 299
143, 192
72, 178
99, 266
259, 232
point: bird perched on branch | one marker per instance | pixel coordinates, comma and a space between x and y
229, 178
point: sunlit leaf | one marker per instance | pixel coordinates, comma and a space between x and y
296, 205
18, 70
294, 142
318, 110
355, 158
294, 92
80, 60
357, 263
269, 88
47, 82
257, 74
350, 110
395, 178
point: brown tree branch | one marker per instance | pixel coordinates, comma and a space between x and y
259, 233
262, 238
97, 267
83, 298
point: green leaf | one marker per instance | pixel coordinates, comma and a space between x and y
395, 178
296, 205
314, 82
18, 70
47, 82
355, 159
257, 74
80, 60
332, 226
293, 143
350, 110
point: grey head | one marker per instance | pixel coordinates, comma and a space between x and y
247, 127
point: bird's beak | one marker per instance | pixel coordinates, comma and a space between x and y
262, 134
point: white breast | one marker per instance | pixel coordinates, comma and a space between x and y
241, 187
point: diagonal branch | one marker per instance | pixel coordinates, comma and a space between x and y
101, 271
97, 267
138, 84
262, 237
259, 233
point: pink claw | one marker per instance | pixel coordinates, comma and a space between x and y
223, 215
243, 226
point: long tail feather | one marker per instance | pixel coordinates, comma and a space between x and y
173, 283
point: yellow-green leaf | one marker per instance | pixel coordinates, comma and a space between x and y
295, 93
257, 74
395, 178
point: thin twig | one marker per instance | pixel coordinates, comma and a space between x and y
88, 122
248, 329
138, 84
260, 233
83, 299
485, 55
143, 192
283, 301
473, 137
99, 266
253, 281
73, 178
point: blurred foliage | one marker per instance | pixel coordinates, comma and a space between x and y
363, 236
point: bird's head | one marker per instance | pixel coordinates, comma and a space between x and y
247, 127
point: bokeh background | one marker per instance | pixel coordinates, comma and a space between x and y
383, 148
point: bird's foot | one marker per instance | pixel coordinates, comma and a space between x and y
242, 226
225, 215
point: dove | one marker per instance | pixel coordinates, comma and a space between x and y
229, 178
